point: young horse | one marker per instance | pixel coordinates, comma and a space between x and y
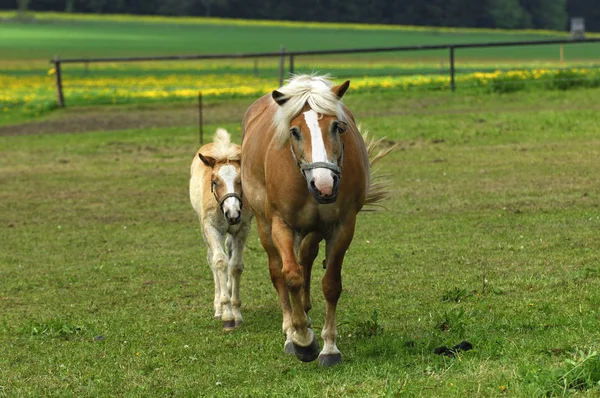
306, 175
216, 196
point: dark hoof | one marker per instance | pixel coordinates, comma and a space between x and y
237, 324
288, 347
328, 360
307, 354
228, 326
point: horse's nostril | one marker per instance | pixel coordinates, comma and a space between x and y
313, 185
336, 180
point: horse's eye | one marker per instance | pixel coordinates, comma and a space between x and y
295, 131
341, 127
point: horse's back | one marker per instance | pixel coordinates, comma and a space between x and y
258, 116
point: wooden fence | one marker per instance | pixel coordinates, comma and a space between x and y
282, 54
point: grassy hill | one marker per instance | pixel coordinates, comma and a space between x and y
49, 34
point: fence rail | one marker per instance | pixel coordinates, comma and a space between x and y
283, 54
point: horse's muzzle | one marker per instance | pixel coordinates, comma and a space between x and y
325, 198
234, 221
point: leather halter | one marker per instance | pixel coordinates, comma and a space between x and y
221, 201
336, 169
304, 167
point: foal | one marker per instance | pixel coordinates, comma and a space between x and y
216, 196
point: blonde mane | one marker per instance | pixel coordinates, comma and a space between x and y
223, 149
313, 90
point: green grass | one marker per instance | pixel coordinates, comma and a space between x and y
490, 236
113, 37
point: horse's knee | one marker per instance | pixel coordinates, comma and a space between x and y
294, 279
220, 262
332, 289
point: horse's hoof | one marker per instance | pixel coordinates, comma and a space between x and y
307, 354
228, 326
237, 323
328, 360
288, 347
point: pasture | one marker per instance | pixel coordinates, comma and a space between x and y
490, 236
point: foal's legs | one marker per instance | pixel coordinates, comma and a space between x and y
218, 262
305, 345
337, 244
235, 249
278, 282
217, 299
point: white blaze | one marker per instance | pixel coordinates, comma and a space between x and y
319, 154
228, 174
322, 177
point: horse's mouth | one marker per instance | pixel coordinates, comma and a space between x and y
234, 221
323, 199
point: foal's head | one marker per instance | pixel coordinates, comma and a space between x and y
315, 141
226, 186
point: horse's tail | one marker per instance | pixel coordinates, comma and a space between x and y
379, 188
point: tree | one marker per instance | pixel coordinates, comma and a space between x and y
508, 14
22, 7
546, 14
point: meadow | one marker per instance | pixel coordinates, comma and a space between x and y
490, 235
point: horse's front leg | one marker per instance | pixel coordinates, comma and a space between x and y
219, 264
309, 249
264, 232
235, 248
336, 247
306, 346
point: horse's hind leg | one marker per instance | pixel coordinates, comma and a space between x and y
235, 248
219, 263
337, 244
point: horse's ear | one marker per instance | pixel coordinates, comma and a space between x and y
279, 97
207, 160
341, 89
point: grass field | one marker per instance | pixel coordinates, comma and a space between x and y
490, 236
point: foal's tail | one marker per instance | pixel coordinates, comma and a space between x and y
377, 149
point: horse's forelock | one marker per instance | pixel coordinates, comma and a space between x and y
223, 148
306, 89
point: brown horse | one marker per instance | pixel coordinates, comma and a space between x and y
306, 175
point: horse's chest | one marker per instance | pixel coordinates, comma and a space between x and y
314, 217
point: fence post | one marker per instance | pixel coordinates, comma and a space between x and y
452, 82
200, 119
59, 89
281, 65
291, 64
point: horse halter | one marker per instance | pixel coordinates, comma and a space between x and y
336, 169
221, 201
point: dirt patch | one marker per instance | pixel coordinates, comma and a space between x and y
111, 118
81, 120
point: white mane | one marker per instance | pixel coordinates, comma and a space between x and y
223, 149
313, 90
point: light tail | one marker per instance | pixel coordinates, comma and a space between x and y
379, 189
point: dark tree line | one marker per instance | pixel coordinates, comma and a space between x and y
509, 14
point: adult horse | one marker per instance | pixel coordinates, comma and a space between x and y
306, 175
216, 196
